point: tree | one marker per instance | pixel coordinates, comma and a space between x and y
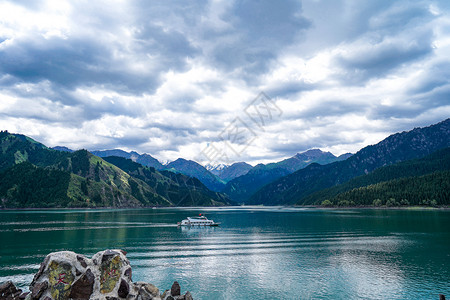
391, 202
84, 188
327, 203
377, 202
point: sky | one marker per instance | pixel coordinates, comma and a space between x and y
222, 81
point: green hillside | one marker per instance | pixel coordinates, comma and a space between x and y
437, 161
33, 175
431, 190
296, 187
179, 189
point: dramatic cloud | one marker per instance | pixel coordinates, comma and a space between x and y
171, 78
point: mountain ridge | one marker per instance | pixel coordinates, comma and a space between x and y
30, 170
194, 169
241, 188
398, 147
436, 162
227, 173
144, 159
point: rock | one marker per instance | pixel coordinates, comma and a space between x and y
175, 290
60, 278
108, 255
166, 292
41, 269
38, 289
128, 273
110, 271
153, 290
5, 286
9, 291
124, 289
144, 295
188, 296
82, 261
107, 276
147, 291
83, 287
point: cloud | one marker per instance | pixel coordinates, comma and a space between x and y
368, 59
166, 78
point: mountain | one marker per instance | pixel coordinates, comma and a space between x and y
179, 189
216, 169
301, 160
143, 159
227, 173
193, 169
241, 188
32, 175
294, 188
356, 189
17, 148
427, 190
62, 148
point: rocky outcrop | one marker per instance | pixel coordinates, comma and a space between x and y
67, 275
9, 291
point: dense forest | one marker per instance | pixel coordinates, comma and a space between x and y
411, 169
25, 185
429, 190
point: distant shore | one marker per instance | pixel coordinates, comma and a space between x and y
415, 207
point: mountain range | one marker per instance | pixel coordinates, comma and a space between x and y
227, 173
32, 175
217, 177
241, 188
407, 168
296, 187
143, 159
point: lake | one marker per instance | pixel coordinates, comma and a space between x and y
256, 253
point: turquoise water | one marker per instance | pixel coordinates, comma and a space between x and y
259, 253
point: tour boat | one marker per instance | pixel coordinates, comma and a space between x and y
197, 221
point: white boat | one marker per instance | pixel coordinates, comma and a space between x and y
197, 221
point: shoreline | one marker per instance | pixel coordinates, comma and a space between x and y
413, 207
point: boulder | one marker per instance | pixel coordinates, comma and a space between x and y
175, 290
9, 291
83, 287
110, 271
147, 289
188, 296
107, 276
38, 289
